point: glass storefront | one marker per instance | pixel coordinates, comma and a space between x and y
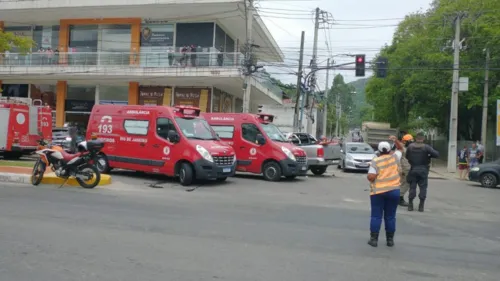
222, 101
46, 37
157, 45
198, 97
114, 44
113, 94
83, 44
79, 102
15, 90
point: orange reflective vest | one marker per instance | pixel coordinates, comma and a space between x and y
388, 177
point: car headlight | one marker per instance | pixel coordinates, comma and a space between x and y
349, 157
234, 159
68, 138
204, 153
475, 169
288, 153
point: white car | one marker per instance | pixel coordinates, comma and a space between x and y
356, 156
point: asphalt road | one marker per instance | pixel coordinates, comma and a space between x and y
245, 229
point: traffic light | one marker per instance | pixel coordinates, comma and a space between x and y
382, 66
360, 65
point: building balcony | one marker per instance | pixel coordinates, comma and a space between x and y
222, 70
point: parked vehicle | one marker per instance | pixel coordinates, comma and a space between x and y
61, 137
23, 123
174, 141
66, 165
320, 155
488, 174
375, 132
260, 146
356, 156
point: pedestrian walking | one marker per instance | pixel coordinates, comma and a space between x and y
463, 162
419, 155
384, 178
474, 154
406, 140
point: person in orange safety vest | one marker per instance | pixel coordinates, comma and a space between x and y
384, 176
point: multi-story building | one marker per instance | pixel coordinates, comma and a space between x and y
148, 52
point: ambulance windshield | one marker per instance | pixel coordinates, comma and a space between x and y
195, 128
273, 132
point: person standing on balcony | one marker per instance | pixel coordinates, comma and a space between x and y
220, 56
184, 56
56, 56
50, 55
193, 55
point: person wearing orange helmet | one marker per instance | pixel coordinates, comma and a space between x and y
406, 140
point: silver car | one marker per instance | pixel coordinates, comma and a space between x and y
356, 156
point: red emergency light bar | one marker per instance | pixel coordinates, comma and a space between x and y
187, 111
268, 118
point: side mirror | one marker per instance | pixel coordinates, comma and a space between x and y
341, 151
173, 136
260, 139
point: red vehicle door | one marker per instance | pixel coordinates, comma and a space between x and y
162, 152
250, 155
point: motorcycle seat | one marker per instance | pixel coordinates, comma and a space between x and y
67, 156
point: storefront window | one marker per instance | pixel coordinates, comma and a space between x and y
222, 101
45, 93
15, 90
79, 102
113, 94
198, 97
238, 105
46, 37
157, 41
83, 44
114, 44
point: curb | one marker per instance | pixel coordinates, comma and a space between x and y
49, 178
441, 176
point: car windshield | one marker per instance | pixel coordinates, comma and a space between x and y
361, 148
273, 132
196, 128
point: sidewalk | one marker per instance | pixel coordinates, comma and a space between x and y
439, 168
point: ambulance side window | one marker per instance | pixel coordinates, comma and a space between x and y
163, 126
249, 132
224, 132
136, 127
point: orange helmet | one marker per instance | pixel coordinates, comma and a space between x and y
407, 137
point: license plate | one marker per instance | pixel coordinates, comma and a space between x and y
226, 170
364, 165
303, 168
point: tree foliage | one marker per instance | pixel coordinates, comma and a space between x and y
420, 57
345, 94
9, 40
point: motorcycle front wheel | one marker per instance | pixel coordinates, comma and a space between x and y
38, 171
88, 176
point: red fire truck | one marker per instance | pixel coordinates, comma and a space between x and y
23, 123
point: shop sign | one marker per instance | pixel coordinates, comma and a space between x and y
79, 105
151, 95
153, 36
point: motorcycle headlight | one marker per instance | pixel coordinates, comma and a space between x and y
204, 153
475, 169
288, 153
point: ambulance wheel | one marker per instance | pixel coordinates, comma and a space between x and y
186, 174
272, 171
102, 164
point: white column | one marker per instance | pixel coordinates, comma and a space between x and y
29, 91
97, 96
99, 44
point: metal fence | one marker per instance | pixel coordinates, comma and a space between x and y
156, 59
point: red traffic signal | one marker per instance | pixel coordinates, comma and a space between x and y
360, 65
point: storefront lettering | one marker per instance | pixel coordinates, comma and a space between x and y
187, 95
154, 21
151, 94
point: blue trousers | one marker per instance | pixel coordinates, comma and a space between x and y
384, 205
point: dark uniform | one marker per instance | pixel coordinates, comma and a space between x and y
419, 156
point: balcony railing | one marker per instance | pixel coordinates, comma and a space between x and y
158, 59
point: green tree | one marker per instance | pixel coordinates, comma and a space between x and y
9, 40
421, 61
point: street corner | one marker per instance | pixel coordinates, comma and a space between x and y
51, 178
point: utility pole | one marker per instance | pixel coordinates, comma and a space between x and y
296, 125
325, 104
248, 55
452, 143
485, 102
313, 68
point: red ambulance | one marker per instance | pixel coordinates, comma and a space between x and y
23, 123
260, 146
174, 141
